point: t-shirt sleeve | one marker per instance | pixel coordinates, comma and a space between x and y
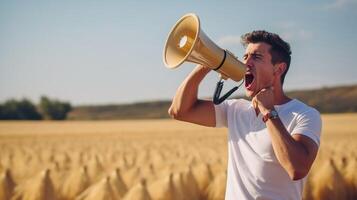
309, 124
221, 114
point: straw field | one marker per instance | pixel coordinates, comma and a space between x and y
149, 159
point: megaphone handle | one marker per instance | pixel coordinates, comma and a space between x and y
218, 100
217, 92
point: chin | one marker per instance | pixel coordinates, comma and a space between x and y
248, 93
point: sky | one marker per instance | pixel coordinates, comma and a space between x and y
110, 51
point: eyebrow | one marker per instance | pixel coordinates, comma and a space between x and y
254, 54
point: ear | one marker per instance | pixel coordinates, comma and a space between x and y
280, 68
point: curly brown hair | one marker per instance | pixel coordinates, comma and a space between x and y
280, 50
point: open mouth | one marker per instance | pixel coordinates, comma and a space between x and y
248, 79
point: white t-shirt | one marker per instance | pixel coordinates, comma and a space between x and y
253, 169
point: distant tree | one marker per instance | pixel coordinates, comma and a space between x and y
54, 109
19, 110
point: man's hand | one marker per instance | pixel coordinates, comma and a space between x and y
263, 102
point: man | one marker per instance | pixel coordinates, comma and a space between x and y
273, 140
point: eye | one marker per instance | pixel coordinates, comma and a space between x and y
256, 57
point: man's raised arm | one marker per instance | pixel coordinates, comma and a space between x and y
187, 107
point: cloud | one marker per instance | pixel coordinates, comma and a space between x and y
296, 35
291, 31
338, 4
229, 40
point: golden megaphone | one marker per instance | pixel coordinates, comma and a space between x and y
187, 42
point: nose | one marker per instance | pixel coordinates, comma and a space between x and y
249, 62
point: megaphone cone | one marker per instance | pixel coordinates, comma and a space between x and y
187, 42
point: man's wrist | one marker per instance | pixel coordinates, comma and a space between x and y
271, 114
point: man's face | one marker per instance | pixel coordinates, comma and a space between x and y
260, 70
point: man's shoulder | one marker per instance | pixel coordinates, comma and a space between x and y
301, 108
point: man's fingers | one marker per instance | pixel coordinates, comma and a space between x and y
271, 88
268, 88
255, 105
254, 101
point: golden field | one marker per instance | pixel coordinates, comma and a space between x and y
149, 159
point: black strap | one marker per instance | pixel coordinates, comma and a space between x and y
224, 59
217, 93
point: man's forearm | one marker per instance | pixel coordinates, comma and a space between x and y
291, 154
186, 95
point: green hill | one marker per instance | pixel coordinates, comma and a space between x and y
327, 100
142, 110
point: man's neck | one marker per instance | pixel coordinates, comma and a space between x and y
280, 97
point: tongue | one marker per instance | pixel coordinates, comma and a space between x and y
248, 79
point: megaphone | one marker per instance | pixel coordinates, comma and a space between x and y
187, 42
